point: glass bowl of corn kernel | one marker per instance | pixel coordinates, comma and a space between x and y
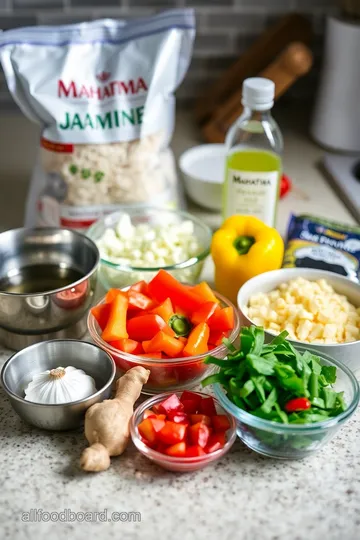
317, 308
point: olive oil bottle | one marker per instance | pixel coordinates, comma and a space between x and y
253, 162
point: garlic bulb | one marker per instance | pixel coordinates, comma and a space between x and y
60, 385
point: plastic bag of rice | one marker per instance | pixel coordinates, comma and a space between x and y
103, 93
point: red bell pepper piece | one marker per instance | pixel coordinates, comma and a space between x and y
204, 313
297, 404
196, 418
147, 430
216, 337
138, 301
207, 406
220, 422
199, 434
162, 342
222, 320
141, 287
101, 312
179, 417
187, 395
215, 442
194, 451
164, 286
113, 293
172, 403
164, 310
176, 450
197, 340
204, 291
116, 326
144, 327
172, 432
129, 346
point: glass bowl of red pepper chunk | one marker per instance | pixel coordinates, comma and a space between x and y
182, 432
165, 326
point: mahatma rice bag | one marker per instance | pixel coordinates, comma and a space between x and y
103, 93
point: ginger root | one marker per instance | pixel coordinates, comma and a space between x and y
107, 423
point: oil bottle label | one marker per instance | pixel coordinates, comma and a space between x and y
252, 193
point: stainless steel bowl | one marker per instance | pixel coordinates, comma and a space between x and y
19, 370
47, 283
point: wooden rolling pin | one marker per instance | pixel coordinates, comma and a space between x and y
294, 62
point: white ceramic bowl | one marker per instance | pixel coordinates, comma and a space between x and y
348, 353
203, 169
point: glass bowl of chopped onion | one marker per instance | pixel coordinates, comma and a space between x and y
136, 243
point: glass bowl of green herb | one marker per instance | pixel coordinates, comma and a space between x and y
287, 401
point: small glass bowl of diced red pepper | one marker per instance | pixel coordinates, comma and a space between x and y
182, 432
165, 326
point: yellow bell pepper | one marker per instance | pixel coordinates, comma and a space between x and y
242, 248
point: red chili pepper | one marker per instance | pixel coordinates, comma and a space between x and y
285, 185
297, 404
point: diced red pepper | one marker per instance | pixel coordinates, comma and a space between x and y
220, 422
178, 416
144, 327
157, 423
204, 291
113, 293
164, 286
147, 430
190, 406
197, 341
101, 313
129, 346
164, 310
162, 342
216, 338
172, 403
194, 451
116, 325
141, 287
139, 301
148, 413
176, 450
207, 406
204, 313
199, 434
196, 418
222, 320
172, 433
192, 396
145, 345
216, 441
297, 404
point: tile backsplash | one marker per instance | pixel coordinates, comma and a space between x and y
225, 28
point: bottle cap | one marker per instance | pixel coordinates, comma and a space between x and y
258, 93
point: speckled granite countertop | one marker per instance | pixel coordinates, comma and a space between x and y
242, 497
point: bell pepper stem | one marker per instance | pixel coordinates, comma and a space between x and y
242, 244
180, 324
